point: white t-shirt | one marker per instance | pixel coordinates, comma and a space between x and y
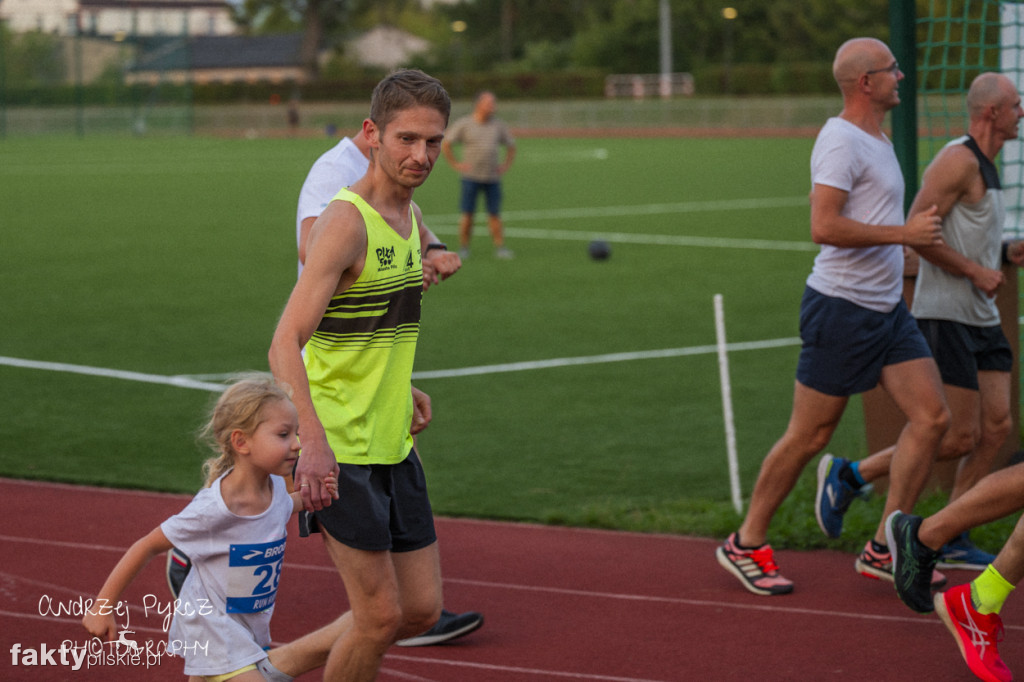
340, 166
222, 619
864, 166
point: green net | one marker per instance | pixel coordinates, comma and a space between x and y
956, 41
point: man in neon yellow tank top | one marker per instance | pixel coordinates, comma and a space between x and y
355, 309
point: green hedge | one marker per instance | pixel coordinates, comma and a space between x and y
92, 95
739, 79
790, 78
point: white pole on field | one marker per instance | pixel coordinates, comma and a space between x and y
730, 429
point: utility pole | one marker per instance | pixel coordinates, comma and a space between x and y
665, 44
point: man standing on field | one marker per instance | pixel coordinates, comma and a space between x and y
481, 134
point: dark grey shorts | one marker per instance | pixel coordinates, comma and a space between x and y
380, 507
963, 350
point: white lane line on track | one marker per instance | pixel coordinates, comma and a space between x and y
618, 596
545, 674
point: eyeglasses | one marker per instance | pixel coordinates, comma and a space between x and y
892, 68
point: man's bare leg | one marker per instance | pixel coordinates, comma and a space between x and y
917, 389
811, 424
380, 587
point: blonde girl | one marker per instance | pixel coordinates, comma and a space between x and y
234, 532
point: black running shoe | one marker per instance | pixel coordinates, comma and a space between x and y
448, 627
912, 562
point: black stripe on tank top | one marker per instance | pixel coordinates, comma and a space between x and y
989, 172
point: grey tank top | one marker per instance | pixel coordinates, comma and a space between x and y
976, 231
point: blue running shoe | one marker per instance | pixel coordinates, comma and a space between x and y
834, 495
962, 553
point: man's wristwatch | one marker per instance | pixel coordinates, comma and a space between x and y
436, 245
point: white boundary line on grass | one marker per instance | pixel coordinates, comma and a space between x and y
179, 381
634, 210
599, 359
182, 381
446, 224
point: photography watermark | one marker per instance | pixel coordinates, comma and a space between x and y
125, 651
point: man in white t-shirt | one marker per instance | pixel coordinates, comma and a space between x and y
855, 326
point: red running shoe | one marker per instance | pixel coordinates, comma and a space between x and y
754, 568
977, 635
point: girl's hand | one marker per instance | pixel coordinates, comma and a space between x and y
331, 482
102, 626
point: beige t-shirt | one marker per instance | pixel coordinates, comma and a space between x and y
480, 146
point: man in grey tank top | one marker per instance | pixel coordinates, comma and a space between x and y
971, 611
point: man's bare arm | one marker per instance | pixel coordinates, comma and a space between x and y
830, 226
337, 247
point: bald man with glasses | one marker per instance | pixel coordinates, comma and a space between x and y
855, 326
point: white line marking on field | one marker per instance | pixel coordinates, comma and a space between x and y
179, 381
191, 382
634, 210
597, 359
663, 239
446, 224
561, 156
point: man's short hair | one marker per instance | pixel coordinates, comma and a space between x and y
405, 89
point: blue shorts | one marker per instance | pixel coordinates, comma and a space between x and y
380, 507
492, 194
963, 350
845, 346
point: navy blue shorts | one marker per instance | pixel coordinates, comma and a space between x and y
381, 507
845, 346
963, 350
492, 195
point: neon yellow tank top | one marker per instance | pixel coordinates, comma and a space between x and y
359, 360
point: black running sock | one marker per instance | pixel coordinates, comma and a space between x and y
876, 547
847, 476
740, 545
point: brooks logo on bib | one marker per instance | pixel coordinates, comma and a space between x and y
253, 574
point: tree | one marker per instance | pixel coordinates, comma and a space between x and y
31, 59
499, 31
315, 18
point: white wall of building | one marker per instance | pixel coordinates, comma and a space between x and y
118, 19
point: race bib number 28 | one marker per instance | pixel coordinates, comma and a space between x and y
254, 572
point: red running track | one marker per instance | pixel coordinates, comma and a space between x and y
559, 603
